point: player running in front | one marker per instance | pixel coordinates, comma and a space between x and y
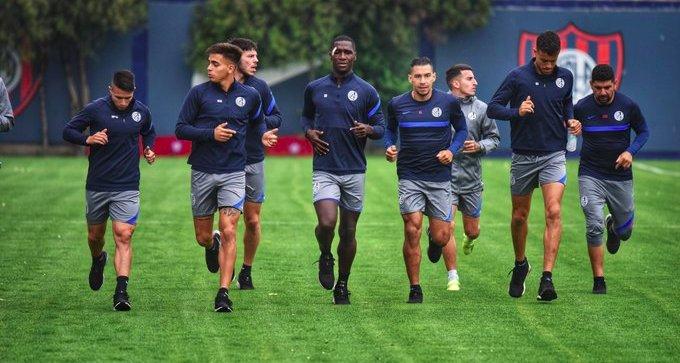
215, 116
420, 121
341, 111
112, 188
604, 173
540, 113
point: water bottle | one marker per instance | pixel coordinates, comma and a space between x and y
571, 142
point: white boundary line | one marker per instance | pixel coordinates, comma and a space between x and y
655, 170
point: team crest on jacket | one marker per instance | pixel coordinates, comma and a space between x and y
618, 116
472, 115
136, 116
581, 52
559, 82
240, 101
584, 201
436, 112
352, 95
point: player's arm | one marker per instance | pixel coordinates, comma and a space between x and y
272, 116
257, 122
375, 126
572, 123
307, 120
490, 138
6, 114
73, 131
391, 134
148, 133
457, 120
497, 108
185, 128
639, 125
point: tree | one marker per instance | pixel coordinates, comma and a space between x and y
386, 31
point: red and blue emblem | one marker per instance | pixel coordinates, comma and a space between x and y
581, 51
20, 79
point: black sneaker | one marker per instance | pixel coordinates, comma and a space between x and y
599, 286
434, 251
211, 254
97, 271
326, 276
222, 303
613, 241
546, 290
519, 274
341, 294
121, 301
245, 281
415, 295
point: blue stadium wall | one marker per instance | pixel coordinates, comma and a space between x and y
158, 53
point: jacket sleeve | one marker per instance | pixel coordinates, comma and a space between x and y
497, 108
185, 129
6, 114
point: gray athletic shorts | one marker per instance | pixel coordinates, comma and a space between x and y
347, 190
470, 204
618, 195
255, 182
120, 206
528, 172
212, 191
431, 198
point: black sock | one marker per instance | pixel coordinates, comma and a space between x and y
246, 269
416, 287
122, 282
223, 290
521, 263
98, 258
598, 279
344, 276
547, 275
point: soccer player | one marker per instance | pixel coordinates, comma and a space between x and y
255, 158
215, 116
604, 173
421, 119
6, 114
540, 113
466, 174
112, 187
340, 112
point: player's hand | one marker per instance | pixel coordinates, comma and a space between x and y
574, 126
270, 138
526, 107
149, 155
222, 133
625, 160
320, 146
98, 138
471, 147
445, 157
391, 154
361, 130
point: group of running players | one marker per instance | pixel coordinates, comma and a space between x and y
436, 138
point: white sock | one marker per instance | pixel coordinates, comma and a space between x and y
453, 275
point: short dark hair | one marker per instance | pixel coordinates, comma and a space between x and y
455, 71
421, 61
342, 38
124, 80
548, 42
228, 51
244, 43
602, 73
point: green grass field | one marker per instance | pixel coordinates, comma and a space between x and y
48, 312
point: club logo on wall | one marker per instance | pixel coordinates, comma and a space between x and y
20, 79
581, 52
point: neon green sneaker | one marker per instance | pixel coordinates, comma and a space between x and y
453, 285
468, 245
